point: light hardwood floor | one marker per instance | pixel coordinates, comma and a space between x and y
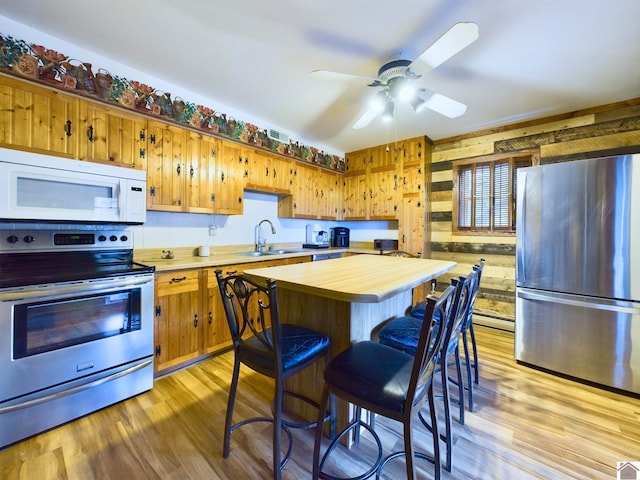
526, 424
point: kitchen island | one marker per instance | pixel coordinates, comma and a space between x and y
347, 299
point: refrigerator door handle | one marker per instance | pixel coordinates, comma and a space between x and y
521, 274
602, 304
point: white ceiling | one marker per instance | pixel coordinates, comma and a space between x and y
534, 58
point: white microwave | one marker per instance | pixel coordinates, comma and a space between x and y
36, 187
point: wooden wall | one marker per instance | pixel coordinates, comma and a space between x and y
594, 132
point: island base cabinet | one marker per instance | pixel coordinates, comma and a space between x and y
344, 323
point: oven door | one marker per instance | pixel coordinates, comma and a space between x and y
62, 332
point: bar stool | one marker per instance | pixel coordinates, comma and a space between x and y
467, 332
275, 350
399, 333
387, 382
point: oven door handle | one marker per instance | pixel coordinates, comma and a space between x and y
73, 390
90, 286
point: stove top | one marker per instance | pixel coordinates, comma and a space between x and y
21, 269
39, 257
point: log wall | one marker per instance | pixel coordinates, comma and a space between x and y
599, 131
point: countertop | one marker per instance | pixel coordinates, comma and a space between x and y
356, 278
185, 258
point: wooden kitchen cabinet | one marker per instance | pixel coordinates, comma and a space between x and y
201, 173
267, 172
372, 188
330, 186
37, 119
356, 206
412, 220
109, 135
302, 201
166, 166
178, 317
229, 188
383, 193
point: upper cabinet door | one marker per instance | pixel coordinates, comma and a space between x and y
229, 186
37, 119
201, 175
166, 167
107, 135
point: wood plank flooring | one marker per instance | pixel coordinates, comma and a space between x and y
526, 425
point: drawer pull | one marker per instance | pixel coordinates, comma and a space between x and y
178, 280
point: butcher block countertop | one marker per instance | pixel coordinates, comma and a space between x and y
357, 278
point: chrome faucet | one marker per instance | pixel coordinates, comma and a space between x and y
260, 240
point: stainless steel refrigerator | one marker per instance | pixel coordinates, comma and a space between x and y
578, 269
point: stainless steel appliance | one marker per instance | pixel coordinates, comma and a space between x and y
44, 188
76, 326
316, 237
578, 270
340, 237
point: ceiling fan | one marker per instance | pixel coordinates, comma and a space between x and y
397, 79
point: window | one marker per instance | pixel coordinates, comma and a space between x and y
485, 197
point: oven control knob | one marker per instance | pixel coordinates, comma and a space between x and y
113, 238
124, 238
29, 239
12, 239
102, 238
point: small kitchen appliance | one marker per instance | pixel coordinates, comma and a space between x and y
385, 244
340, 237
316, 237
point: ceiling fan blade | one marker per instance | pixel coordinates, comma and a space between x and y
445, 106
329, 75
456, 39
365, 118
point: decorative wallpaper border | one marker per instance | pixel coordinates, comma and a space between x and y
40, 64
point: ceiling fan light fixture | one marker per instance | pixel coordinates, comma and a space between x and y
378, 102
389, 110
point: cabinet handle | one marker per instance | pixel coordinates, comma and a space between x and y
274, 173
178, 280
67, 128
191, 171
152, 138
222, 176
266, 171
195, 320
142, 135
178, 170
90, 133
142, 153
210, 318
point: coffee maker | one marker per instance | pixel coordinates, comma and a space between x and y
340, 237
316, 237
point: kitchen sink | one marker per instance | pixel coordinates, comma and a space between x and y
269, 252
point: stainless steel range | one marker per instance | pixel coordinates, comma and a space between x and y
76, 326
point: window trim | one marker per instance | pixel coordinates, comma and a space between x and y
534, 155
